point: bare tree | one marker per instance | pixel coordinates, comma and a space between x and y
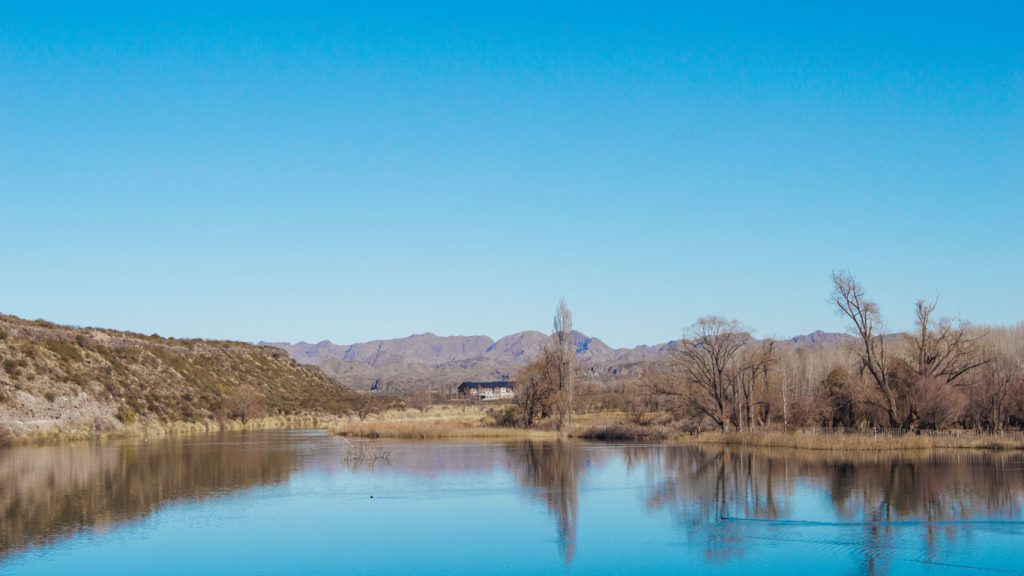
365, 405
243, 402
848, 297
995, 390
637, 402
421, 398
753, 382
565, 349
707, 365
536, 387
945, 349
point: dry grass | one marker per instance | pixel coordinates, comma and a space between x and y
436, 430
624, 431
439, 422
807, 440
56, 435
467, 422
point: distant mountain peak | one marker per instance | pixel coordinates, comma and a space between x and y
821, 338
427, 358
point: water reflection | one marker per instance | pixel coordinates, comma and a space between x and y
551, 471
714, 493
710, 508
48, 492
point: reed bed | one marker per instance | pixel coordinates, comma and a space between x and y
624, 431
478, 421
436, 423
880, 441
437, 430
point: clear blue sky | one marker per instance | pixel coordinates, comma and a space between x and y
352, 171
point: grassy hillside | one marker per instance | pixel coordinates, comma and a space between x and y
72, 379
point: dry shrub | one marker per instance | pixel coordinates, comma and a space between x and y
243, 403
505, 416
126, 415
638, 402
817, 441
939, 404
626, 431
421, 399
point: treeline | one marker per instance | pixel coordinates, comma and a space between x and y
945, 374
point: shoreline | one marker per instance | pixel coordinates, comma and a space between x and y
459, 423
55, 435
445, 423
794, 440
858, 441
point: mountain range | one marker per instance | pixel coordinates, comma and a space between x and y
405, 363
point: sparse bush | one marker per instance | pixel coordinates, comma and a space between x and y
50, 396
421, 399
100, 424
78, 379
67, 351
637, 402
505, 416
126, 415
364, 405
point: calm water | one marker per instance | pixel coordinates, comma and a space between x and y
288, 503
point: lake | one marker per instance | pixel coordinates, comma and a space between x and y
299, 502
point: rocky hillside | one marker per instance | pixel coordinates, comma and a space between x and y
59, 377
405, 363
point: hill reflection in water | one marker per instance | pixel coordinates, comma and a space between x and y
47, 492
454, 507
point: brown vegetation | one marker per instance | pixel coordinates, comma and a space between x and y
827, 440
71, 382
537, 388
876, 389
624, 431
941, 385
947, 374
564, 348
438, 422
715, 373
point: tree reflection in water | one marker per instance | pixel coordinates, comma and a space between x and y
49, 492
552, 470
869, 506
712, 492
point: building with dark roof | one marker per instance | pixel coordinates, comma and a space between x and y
487, 390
